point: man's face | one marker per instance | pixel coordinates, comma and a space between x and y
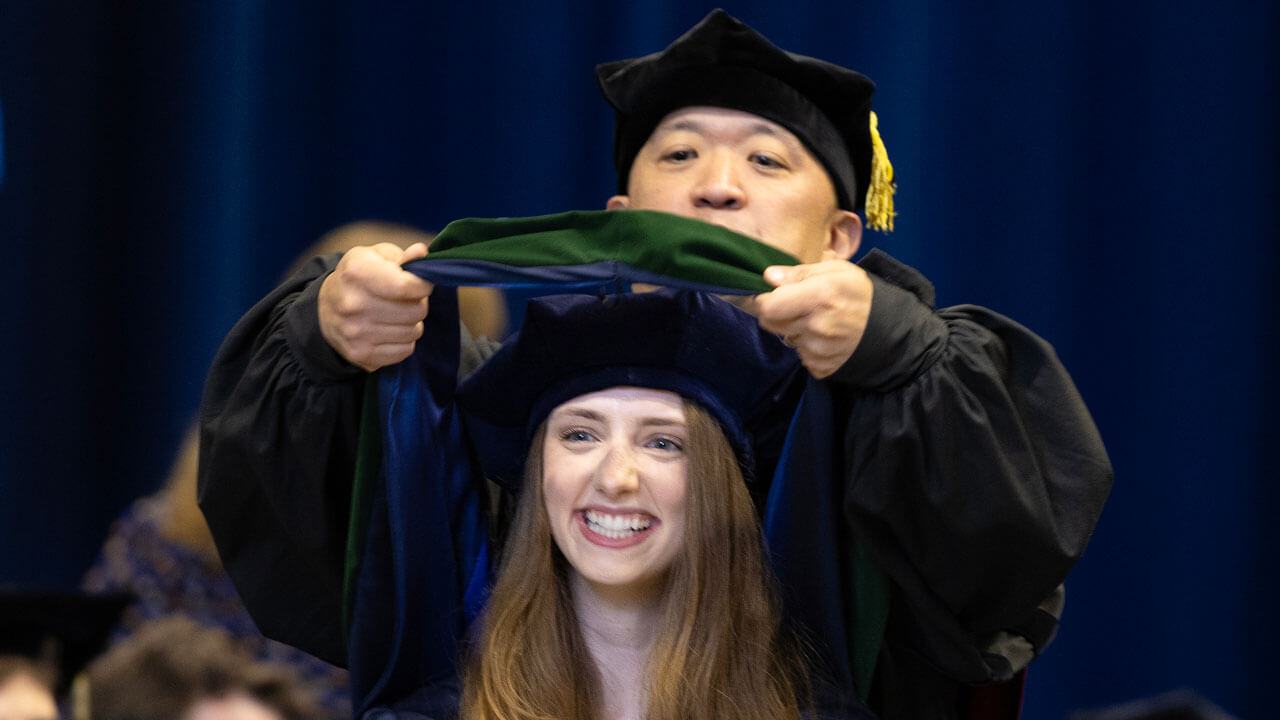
745, 173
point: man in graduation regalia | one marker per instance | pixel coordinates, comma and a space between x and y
965, 473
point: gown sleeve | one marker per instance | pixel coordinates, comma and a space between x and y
278, 428
974, 476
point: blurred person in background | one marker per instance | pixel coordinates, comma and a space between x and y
46, 640
175, 668
26, 690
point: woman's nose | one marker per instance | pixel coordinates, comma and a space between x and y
619, 471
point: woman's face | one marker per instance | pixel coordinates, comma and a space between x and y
614, 477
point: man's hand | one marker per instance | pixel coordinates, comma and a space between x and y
820, 309
371, 310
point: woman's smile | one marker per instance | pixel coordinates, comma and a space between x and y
615, 530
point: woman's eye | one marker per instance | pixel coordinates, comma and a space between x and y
681, 155
576, 436
665, 443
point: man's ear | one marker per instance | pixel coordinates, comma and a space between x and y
618, 202
845, 235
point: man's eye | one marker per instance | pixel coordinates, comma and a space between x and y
766, 161
681, 155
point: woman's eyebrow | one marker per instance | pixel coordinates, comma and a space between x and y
662, 422
588, 414
583, 413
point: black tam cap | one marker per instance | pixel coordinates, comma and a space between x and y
723, 63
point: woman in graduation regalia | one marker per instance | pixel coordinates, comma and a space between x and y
419, 593
634, 580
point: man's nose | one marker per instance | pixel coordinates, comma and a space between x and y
718, 185
619, 472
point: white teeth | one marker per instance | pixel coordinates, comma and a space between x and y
616, 526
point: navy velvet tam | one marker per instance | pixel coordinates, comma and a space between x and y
721, 62
693, 344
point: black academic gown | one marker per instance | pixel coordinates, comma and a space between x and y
972, 477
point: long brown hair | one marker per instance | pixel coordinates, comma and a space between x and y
720, 651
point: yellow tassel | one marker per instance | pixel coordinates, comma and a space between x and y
880, 212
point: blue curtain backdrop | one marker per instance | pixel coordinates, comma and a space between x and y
1103, 172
